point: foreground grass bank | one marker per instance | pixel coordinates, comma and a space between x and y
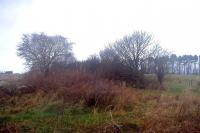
175, 109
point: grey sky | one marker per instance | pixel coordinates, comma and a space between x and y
92, 24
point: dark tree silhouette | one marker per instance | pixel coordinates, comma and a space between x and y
41, 51
132, 50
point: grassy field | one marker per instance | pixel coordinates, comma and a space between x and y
175, 109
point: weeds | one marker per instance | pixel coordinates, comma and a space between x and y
175, 115
80, 102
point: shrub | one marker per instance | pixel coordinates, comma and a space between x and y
39, 81
9, 88
79, 87
99, 93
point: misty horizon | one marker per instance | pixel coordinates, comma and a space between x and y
93, 25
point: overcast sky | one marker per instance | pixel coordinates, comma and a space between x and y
92, 24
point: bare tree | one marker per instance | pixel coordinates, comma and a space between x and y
161, 59
133, 50
172, 60
41, 51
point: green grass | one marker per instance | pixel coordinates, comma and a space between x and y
175, 89
47, 119
177, 84
74, 118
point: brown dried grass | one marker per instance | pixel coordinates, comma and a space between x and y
77, 87
175, 115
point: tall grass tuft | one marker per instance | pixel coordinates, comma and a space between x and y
175, 114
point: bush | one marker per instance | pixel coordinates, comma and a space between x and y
99, 93
9, 88
79, 87
39, 81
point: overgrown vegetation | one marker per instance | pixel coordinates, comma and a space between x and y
123, 89
85, 104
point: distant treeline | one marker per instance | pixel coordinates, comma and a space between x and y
127, 59
6, 72
185, 64
172, 64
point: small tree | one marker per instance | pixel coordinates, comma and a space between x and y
92, 64
40, 51
161, 59
112, 67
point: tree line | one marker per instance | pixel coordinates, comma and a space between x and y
127, 59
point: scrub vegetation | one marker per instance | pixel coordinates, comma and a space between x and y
133, 85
